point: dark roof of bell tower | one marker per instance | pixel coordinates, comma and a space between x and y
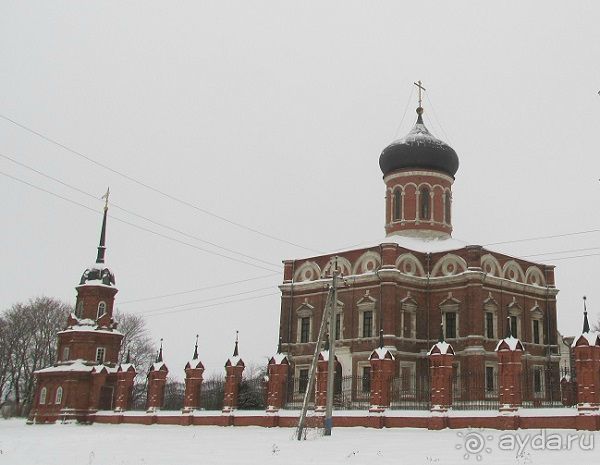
419, 149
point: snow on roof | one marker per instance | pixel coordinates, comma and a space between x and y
95, 282
381, 354
441, 348
278, 358
157, 366
512, 342
89, 328
126, 366
235, 360
194, 363
416, 244
76, 366
590, 337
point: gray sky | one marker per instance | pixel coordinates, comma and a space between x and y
273, 115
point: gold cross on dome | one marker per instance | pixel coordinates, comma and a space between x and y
105, 197
419, 84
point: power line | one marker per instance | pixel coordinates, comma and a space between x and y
154, 189
135, 225
543, 237
211, 299
215, 286
215, 304
560, 252
183, 233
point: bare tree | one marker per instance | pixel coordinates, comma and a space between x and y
136, 341
29, 335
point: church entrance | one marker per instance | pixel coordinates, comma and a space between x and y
106, 398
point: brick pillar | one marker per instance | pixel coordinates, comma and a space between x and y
124, 389
388, 255
441, 356
157, 378
98, 380
234, 368
321, 380
510, 370
382, 373
193, 385
587, 367
278, 370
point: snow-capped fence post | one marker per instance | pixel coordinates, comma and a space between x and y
234, 368
157, 378
510, 369
278, 370
124, 390
194, 369
587, 367
382, 372
441, 356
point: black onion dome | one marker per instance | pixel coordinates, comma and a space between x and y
419, 149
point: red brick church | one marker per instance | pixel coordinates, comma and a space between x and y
417, 278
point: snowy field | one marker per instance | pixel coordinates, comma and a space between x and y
72, 444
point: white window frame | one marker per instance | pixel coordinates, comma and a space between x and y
451, 305
297, 369
409, 311
101, 304
66, 353
362, 308
493, 309
100, 350
304, 311
43, 395
493, 393
59, 395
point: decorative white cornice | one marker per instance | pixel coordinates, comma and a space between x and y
406, 174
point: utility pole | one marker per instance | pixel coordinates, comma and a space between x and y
331, 359
313, 367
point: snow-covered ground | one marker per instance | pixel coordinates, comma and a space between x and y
72, 444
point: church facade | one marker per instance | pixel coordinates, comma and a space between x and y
418, 279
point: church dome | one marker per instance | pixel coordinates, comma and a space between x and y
419, 149
98, 273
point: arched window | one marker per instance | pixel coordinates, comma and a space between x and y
397, 207
59, 394
43, 394
447, 208
79, 309
425, 210
101, 309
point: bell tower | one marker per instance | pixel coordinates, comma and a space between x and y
418, 171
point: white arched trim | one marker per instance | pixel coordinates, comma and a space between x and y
409, 265
534, 276
449, 265
343, 264
308, 271
368, 262
491, 266
513, 271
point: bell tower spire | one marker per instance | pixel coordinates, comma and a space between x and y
102, 245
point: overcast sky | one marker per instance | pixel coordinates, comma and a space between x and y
273, 115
